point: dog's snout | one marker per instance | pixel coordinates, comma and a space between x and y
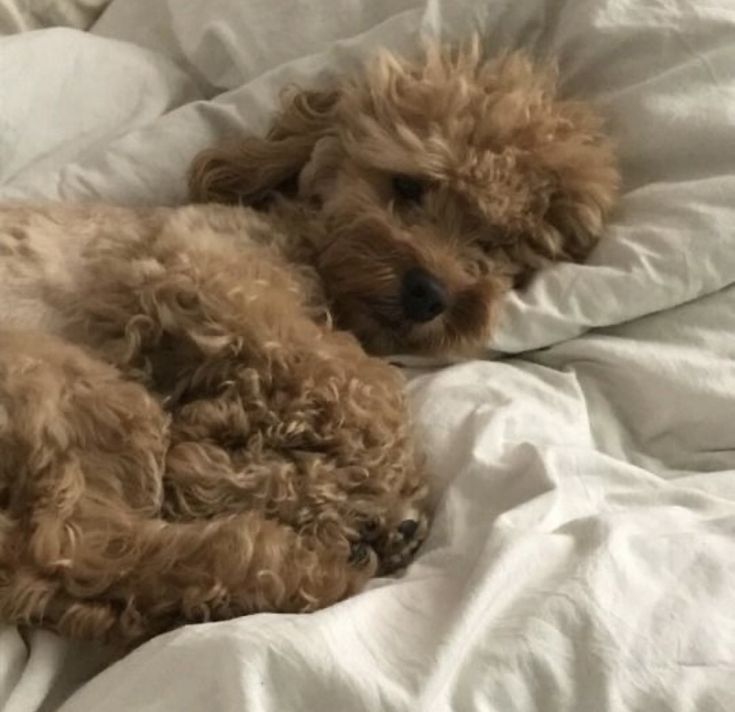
423, 298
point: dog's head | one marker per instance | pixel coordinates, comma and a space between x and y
437, 186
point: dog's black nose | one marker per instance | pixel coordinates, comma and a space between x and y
422, 296
407, 528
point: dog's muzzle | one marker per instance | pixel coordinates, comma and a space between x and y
423, 297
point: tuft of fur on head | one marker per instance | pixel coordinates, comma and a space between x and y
471, 169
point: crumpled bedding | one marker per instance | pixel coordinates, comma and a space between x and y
582, 554
24, 15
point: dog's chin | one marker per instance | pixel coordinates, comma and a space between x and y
376, 334
449, 335
443, 337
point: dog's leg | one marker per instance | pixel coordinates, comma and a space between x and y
27, 597
83, 548
81, 458
184, 573
200, 571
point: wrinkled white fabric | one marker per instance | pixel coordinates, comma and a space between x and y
582, 554
66, 95
24, 15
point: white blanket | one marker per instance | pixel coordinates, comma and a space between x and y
24, 15
583, 553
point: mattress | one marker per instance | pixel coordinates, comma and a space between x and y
583, 552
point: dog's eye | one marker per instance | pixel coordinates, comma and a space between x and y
408, 189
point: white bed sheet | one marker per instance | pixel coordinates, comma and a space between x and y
24, 15
582, 556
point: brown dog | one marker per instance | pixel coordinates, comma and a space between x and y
184, 435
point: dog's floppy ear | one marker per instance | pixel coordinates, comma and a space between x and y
247, 170
583, 161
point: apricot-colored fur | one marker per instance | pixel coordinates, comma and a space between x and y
184, 434
514, 178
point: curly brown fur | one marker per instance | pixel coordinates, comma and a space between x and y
216, 449
184, 435
511, 177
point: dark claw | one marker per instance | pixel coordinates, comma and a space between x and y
407, 528
359, 552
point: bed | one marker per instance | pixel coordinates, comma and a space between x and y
583, 552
